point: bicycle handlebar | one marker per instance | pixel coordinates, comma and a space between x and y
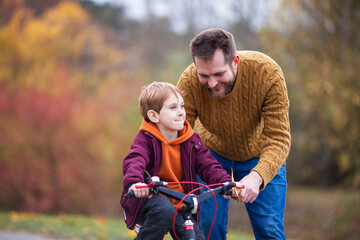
156, 187
191, 201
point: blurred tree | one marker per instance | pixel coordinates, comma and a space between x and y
108, 15
40, 6
43, 151
247, 15
62, 89
71, 73
318, 45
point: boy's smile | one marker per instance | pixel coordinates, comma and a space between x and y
172, 116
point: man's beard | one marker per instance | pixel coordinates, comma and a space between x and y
228, 86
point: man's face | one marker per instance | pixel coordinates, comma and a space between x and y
216, 75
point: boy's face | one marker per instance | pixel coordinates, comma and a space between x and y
172, 115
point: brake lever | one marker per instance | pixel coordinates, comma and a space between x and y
148, 177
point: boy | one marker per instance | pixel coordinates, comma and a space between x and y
166, 146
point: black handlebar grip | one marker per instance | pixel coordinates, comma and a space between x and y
228, 192
228, 188
131, 194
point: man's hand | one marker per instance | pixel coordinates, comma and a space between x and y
252, 183
139, 192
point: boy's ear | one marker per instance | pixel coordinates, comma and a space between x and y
153, 116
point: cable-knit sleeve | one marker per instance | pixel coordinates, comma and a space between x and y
276, 129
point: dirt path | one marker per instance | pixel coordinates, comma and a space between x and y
12, 235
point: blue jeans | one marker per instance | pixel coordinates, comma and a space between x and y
266, 213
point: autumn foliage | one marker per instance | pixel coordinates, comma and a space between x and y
61, 137
319, 49
71, 72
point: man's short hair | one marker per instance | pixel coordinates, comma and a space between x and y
153, 96
205, 44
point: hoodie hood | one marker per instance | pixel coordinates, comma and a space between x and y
184, 134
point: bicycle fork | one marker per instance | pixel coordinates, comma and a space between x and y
188, 224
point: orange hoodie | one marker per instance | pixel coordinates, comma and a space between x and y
170, 168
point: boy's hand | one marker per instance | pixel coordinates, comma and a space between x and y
140, 192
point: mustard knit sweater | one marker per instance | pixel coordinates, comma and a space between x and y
251, 121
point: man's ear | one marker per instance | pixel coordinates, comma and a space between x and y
236, 61
153, 116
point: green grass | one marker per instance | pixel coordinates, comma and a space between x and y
311, 213
66, 225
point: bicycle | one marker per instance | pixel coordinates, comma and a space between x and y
190, 200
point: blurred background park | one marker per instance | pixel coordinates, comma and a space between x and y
71, 73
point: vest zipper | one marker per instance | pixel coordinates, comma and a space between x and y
191, 178
136, 212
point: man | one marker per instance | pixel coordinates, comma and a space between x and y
238, 102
